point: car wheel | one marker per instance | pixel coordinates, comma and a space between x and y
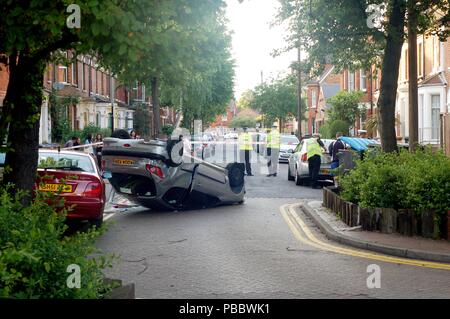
290, 177
122, 134
96, 222
170, 161
235, 174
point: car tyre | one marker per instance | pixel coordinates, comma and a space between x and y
170, 145
290, 177
122, 134
96, 222
235, 174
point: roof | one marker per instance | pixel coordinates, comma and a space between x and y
436, 79
357, 143
330, 90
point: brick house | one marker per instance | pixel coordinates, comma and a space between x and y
318, 91
86, 80
223, 121
433, 68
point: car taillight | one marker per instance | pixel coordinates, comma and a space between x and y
93, 190
304, 157
155, 170
126, 145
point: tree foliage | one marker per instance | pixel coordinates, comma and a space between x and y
276, 99
345, 107
338, 32
183, 44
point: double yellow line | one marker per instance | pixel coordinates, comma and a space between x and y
304, 234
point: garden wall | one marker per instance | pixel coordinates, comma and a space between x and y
387, 220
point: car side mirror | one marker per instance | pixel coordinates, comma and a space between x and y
291, 151
106, 175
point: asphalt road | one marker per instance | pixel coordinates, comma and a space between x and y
250, 251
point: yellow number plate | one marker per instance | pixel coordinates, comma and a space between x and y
324, 171
56, 188
123, 162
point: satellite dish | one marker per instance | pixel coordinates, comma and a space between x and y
58, 85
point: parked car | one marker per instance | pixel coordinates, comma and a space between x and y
287, 145
298, 169
147, 173
231, 135
75, 177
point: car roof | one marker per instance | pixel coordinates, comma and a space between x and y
64, 152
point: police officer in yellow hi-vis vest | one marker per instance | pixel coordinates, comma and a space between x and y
273, 150
314, 154
245, 146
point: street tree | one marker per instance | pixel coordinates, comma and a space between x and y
345, 107
276, 99
343, 33
121, 34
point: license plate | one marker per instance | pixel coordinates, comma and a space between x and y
125, 162
325, 171
56, 188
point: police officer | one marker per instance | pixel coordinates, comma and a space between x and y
314, 153
245, 146
273, 150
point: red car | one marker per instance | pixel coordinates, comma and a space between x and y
74, 176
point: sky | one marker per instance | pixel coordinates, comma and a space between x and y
253, 42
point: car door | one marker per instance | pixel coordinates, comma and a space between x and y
294, 157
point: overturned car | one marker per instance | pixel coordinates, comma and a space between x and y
160, 175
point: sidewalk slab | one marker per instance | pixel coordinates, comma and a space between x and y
391, 244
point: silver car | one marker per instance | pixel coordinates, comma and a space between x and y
287, 145
298, 169
158, 175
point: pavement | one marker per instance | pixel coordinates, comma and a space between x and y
391, 244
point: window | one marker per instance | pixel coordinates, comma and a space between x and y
313, 99
362, 80
65, 162
435, 111
351, 81
436, 54
97, 119
82, 76
74, 73
63, 75
110, 120
405, 71
420, 59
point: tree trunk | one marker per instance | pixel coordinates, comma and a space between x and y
390, 70
412, 86
24, 98
156, 110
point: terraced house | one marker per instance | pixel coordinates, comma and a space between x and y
96, 97
433, 65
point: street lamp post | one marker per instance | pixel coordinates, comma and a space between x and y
299, 97
111, 96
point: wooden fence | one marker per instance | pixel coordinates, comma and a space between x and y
386, 220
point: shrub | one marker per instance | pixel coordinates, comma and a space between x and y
35, 255
419, 181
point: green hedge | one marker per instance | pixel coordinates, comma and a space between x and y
419, 181
35, 254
